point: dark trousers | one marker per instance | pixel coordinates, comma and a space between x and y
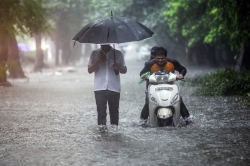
111, 98
145, 110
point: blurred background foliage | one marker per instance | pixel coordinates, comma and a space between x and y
197, 32
213, 33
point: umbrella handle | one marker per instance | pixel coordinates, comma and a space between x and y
116, 71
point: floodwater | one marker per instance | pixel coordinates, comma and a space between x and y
50, 119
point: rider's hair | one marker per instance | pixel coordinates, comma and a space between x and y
161, 51
152, 51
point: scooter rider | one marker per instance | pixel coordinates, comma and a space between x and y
152, 56
161, 62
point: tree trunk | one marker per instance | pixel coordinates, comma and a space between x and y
76, 53
65, 52
56, 47
209, 52
39, 64
188, 56
201, 55
3, 58
14, 65
3, 61
243, 61
57, 55
55, 40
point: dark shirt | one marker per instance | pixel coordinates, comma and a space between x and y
171, 65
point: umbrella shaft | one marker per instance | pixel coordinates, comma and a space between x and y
114, 52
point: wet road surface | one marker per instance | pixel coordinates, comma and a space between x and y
51, 120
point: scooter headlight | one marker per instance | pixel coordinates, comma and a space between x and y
175, 98
164, 113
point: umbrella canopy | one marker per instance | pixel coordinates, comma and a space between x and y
113, 30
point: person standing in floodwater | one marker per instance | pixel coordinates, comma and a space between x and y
107, 84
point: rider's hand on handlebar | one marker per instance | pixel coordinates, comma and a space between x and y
179, 77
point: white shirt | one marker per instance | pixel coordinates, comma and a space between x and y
105, 77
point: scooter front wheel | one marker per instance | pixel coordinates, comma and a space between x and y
165, 122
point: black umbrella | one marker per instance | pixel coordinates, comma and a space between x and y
113, 30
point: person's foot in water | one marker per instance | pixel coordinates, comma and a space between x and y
142, 122
188, 121
103, 128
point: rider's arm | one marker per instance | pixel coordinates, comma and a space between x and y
147, 67
181, 69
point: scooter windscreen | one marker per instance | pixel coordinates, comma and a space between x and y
162, 76
162, 79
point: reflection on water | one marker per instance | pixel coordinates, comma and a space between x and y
53, 122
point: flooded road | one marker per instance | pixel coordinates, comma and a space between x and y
51, 120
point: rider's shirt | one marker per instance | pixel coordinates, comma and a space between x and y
171, 65
168, 66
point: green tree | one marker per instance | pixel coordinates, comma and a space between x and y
210, 23
233, 20
68, 17
189, 20
149, 13
35, 20
17, 17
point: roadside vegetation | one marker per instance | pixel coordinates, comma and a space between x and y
226, 82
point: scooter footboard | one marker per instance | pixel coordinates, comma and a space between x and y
176, 116
152, 116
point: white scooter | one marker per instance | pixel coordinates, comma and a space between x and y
164, 99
